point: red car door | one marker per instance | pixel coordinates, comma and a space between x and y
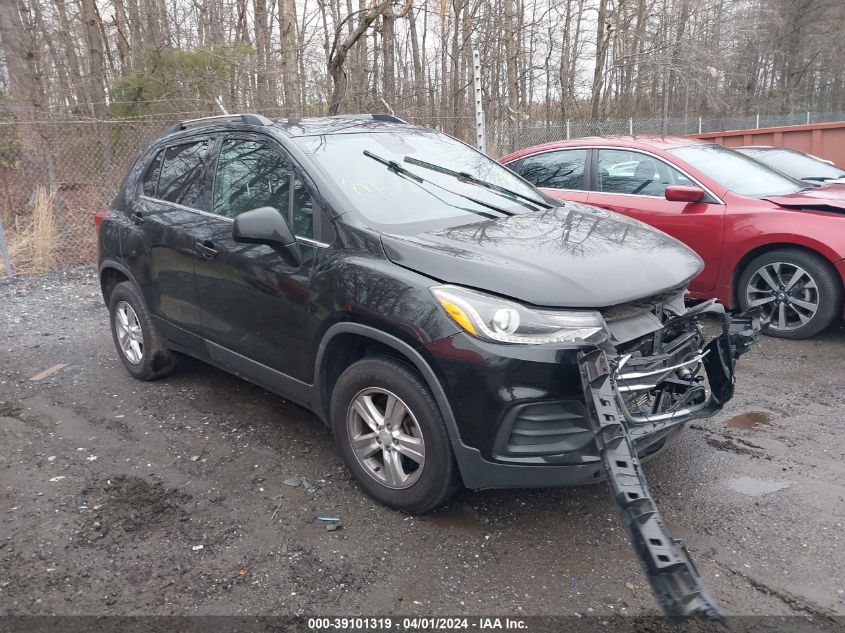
633, 183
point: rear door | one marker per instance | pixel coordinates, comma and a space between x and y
633, 183
255, 306
169, 221
561, 173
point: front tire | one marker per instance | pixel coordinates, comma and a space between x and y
799, 291
135, 335
391, 435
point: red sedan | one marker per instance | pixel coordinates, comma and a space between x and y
766, 239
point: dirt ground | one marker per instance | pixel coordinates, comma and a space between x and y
174, 497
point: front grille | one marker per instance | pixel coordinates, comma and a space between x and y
661, 372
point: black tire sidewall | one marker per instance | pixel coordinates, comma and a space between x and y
827, 281
157, 360
439, 478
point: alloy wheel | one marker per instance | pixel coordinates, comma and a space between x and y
787, 292
130, 337
386, 438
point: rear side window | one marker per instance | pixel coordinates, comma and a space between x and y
151, 175
562, 169
181, 179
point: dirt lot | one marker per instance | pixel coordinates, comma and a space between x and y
120, 497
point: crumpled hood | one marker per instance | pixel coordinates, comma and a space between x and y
825, 198
569, 256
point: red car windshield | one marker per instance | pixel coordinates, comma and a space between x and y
738, 173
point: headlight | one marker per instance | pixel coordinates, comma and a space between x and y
494, 319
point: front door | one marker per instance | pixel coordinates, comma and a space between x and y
253, 303
633, 183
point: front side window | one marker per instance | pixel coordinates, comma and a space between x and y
555, 170
737, 173
181, 179
250, 175
621, 171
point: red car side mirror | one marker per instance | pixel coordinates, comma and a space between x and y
682, 193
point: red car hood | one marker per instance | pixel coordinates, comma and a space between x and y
825, 198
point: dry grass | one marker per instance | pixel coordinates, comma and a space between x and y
33, 240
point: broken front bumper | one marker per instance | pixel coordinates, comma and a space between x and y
670, 570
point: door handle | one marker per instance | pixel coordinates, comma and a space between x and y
206, 249
137, 217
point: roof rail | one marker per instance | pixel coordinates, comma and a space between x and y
385, 118
248, 119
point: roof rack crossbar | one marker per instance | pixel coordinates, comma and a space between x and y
247, 119
386, 118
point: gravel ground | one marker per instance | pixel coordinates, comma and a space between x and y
175, 497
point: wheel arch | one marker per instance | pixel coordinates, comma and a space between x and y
112, 273
345, 343
761, 249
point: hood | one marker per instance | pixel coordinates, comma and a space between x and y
829, 198
574, 256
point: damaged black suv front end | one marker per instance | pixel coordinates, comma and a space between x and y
666, 371
584, 412
666, 379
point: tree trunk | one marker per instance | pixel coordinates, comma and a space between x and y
287, 23
340, 50
602, 36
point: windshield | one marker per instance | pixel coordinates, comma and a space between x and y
738, 173
795, 164
385, 197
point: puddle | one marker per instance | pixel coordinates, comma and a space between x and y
750, 421
757, 487
457, 516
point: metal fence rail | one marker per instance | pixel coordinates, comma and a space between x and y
56, 173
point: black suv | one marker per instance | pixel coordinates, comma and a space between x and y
450, 323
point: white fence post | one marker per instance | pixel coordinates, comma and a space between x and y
757, 124
480, 141
631, 125
567, 130
808, 117
4, 250
699, 125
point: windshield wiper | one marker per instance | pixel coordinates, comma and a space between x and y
465, 177
397, 169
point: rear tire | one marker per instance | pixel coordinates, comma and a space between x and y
800, 291
135, 335
391, 435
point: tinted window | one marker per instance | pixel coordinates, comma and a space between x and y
740, 174
181, 179
250, 175
151, 176
555, 170
620, 171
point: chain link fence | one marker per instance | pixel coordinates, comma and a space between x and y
57, 173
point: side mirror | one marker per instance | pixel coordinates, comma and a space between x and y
682, 193
267, 226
